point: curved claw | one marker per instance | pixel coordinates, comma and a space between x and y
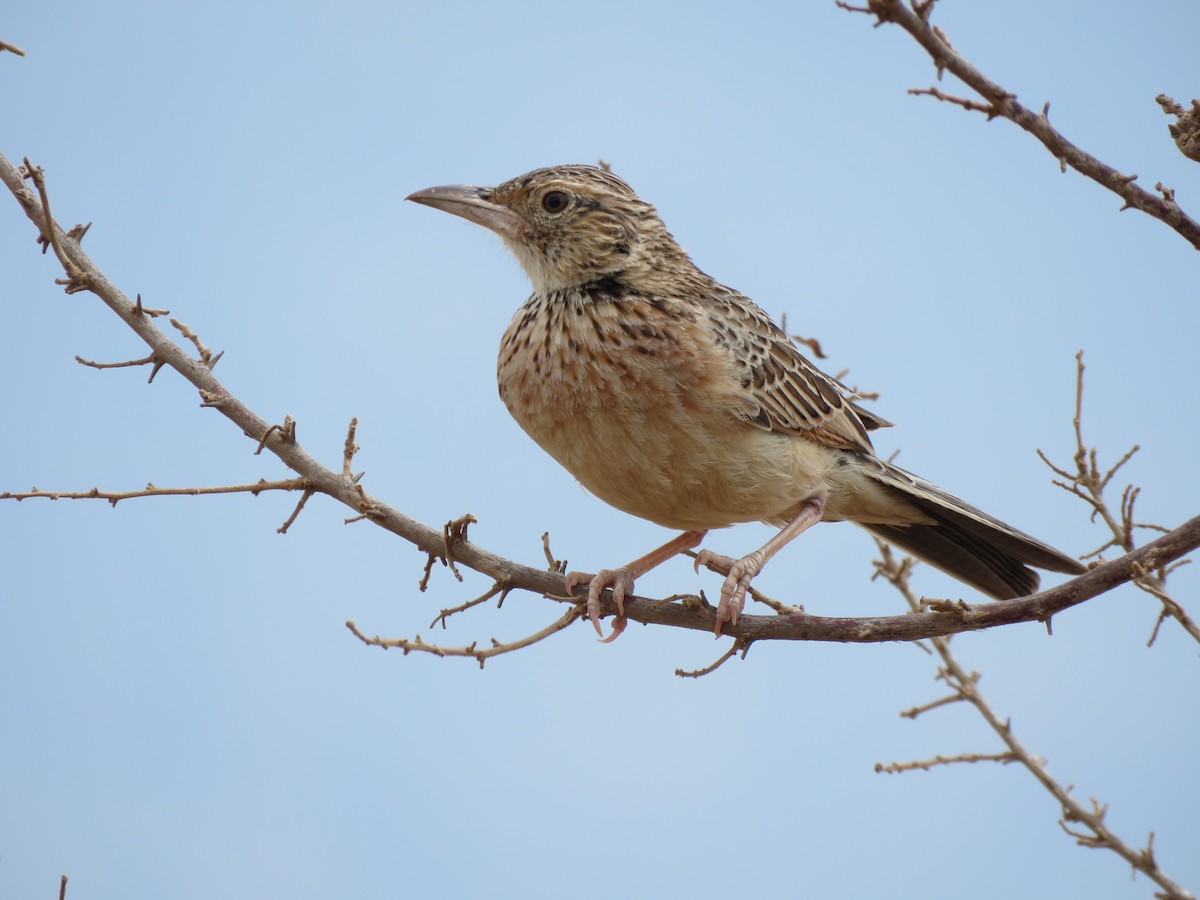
733, 598
618, 628
619, 580
734, 588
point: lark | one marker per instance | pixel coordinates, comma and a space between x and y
676, 399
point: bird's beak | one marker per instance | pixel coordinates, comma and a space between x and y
473, 204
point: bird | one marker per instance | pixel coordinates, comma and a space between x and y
678, 400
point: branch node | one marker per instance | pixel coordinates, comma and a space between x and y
287, 434
140, 310
213, 399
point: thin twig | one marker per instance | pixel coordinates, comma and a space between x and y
144, 361
927, 764
915, 711
742, 647
557, 566
496, 588
408, 645
151, 490
1087, 482
76, 279
308, 492
349, 449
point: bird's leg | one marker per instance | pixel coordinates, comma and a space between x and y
621, 579
742, 571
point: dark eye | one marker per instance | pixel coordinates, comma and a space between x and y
555, 201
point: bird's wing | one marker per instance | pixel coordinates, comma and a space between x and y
782, 390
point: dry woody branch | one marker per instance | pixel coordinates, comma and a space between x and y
997, 102
451, 544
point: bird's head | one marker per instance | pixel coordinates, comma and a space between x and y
568, 225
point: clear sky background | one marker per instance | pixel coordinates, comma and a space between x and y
184, 714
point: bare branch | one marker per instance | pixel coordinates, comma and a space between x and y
742, 647
496, 588
915, 711
281, 441
407, 645
1089, 484
308, 492
151, 490
91, 363
1002, 103
75, 280
965, 102
13, 48
966, 686
926, 764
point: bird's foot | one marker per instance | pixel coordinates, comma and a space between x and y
733, 591
621, 582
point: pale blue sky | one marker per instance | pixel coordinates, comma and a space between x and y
185, 715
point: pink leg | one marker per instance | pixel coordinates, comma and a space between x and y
742, 571
621, 580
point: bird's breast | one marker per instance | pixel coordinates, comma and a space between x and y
622, 391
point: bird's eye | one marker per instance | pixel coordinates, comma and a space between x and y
555, 201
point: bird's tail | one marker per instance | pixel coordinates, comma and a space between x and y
968, 543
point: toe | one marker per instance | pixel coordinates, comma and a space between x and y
575, 579
595, 588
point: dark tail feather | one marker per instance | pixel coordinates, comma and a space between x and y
968, 543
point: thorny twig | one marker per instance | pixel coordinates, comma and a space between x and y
926, 764
408, 645
1088, 482
91, 363
308, 492
496, 588
151, 490
999, 102
965, 685
739, 646
76, 279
